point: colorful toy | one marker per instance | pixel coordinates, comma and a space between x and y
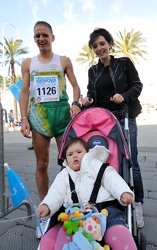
73, 218
93, 230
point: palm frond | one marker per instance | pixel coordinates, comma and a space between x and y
86, 56
12, 52
130, 44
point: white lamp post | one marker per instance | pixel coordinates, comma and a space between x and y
4, 80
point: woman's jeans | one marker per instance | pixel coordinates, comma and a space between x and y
138, 185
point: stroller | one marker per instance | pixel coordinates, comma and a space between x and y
98, 126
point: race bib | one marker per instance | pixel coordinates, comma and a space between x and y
46, 88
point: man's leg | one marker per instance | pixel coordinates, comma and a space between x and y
58, 141
41, 148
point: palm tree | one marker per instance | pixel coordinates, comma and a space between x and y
86, 56
130, 44
9, 81
12, 51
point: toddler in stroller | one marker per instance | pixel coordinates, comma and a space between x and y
83, 168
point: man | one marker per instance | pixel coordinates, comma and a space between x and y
44, 91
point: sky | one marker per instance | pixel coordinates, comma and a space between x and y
72, 22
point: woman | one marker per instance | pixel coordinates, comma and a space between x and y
113, 82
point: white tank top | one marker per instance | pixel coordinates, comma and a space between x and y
47, 81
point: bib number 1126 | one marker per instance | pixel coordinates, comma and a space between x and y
42, 91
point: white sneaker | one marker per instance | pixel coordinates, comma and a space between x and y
139, 214
41, 230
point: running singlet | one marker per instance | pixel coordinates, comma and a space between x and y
47, 81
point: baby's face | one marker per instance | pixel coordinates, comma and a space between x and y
74, 155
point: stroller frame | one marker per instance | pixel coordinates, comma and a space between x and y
88, 124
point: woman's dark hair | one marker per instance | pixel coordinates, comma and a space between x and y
45, 24
100, 32
73, 141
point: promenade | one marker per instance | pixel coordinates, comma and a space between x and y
18, 233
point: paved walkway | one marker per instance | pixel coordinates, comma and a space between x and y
18, 233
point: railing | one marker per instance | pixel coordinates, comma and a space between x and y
4, 200
2, 185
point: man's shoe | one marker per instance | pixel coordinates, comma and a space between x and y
30, 148
139, 214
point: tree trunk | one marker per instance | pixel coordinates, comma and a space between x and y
12, 62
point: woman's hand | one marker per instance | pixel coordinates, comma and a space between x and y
87, 101
117, 98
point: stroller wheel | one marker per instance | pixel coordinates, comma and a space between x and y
142, 241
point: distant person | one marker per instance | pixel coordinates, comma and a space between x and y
44, 84
11, 119
113, 82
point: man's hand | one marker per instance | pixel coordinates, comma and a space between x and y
74, 110
25, 129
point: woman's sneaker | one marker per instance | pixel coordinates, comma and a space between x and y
41, 230
139, 214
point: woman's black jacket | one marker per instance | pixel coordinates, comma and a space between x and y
125, 80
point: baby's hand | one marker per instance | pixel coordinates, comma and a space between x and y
127, 198
43, 211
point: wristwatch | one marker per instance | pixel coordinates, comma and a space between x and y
77, 104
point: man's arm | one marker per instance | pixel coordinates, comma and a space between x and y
24, 98
66, 62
